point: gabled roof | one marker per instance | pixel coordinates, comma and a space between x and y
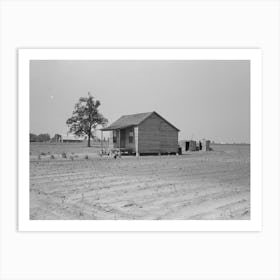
128, 120
132, 120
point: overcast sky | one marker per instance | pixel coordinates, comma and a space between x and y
204, 99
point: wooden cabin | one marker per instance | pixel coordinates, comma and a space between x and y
145, 133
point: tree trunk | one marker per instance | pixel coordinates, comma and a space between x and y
89, 140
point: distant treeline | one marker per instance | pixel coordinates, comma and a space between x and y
45, 137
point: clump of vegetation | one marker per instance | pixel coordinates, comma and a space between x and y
42, 154
44, 137
63, 199
52, 157
64, 155
86, 156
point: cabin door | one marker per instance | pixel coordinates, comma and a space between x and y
122, 138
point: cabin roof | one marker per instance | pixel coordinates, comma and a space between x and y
132, 120
128, 120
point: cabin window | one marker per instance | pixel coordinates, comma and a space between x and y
130, 136
114, 136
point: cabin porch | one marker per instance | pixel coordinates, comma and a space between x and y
124, 140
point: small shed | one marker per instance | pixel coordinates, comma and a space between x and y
205, 145
188, 145
144, 133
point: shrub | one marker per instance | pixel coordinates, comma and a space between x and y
44, 137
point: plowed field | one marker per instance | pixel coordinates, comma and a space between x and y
198, 185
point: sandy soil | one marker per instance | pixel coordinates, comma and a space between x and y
194, 186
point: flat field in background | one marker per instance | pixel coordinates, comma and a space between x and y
37, 148
197, 185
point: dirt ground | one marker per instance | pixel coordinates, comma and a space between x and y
194, 186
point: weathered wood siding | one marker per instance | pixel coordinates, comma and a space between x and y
149, 135
157, 136
168, 138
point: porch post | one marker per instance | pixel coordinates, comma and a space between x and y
136, 140
102, 141
119, 139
